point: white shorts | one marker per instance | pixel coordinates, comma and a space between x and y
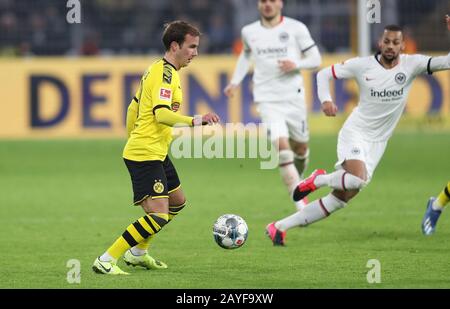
285, 119
351, 146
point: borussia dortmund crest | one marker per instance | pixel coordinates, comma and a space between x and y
158, 187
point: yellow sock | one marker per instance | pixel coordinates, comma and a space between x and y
142, 229
145, 244
443, 197
173, 211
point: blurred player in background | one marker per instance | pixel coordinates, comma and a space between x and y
384, 81
150, 118
277, 43
435, 206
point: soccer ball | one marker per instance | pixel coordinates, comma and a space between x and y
230, 231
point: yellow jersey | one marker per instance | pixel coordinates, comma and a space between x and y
149, 139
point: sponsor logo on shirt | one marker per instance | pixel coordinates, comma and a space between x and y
165, 94
386, 93
271, 51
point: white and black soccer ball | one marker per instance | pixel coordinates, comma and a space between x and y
230, 231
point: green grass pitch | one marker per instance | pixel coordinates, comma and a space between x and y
63, 200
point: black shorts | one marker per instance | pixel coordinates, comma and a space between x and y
154, 179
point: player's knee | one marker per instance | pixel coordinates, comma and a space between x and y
282, 143
302, 155
177, 206
160, 205
176, 197
361, 175
354, 182
344, 196
286, 156
300, 149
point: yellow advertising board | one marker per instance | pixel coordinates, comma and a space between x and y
83, 97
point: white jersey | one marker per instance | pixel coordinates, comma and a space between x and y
287, 40
383, 93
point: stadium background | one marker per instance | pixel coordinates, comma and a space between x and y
64, 87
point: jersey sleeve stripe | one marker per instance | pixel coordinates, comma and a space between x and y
308, 48
136, 99
160, 106
333, 72
429, 67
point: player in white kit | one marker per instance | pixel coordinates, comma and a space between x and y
280, 47
384, 81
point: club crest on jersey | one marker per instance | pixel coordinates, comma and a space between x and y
400, 78
165, 94
175, 106
158, 187
284, 37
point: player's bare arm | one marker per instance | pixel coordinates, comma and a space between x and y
242, 67
323, 79
230, 90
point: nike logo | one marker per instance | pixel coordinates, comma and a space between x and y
369, 79
104, 268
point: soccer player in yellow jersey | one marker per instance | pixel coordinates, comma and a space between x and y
150, 118
435, 205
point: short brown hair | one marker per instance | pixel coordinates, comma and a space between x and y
176, 32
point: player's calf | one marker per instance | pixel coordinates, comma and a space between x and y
288, 172
301, 162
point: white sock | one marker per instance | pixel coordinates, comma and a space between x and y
106, 257
288, 172
312, 212
340, 180
138, 251
434, 206
437, 206
300, 205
